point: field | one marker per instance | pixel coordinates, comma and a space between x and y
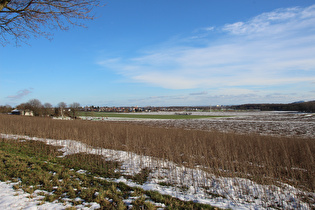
167, 116
289, 124
242, 160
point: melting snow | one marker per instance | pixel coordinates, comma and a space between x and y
192, 184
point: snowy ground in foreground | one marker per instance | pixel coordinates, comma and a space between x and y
235, 193
17, 199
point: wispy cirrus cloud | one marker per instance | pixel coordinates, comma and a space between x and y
20, 94
275, 22
221, 96
270, 50
199, 93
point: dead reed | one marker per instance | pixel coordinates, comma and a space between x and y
264, 159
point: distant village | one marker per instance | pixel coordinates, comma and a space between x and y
148, 109
72, 112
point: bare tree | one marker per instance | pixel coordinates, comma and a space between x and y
62, 106
5, 109
74, 108
48, 109
21, 106
48, 105
23, 18
36, 106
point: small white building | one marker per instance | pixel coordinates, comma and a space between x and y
27, 113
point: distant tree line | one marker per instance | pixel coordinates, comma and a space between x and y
62, 109
46, 109
298, 106
5, 109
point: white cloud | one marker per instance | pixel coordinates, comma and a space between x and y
199, 93
211, 28
275, 22
166, 80
20, 94
109, 62
271, 49
222, 96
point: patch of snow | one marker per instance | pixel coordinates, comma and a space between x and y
190, 184
81, 171
18, 199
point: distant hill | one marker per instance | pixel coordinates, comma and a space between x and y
300, 106
298, 102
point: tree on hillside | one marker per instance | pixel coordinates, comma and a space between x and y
24, 18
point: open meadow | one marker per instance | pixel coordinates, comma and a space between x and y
233, 160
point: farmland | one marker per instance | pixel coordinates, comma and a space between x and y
241, 160
289, 124
165, 116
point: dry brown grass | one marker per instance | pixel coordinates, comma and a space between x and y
264, 159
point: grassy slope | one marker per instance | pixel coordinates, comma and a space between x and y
37, 167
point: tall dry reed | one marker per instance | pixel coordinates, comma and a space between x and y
264, 159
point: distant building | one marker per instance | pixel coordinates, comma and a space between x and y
27, 113
16, 112
22, 112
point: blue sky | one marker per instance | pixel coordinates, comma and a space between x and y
164, 53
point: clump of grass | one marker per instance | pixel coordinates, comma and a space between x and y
175, 203
141, 203
167, 184
140, 177
93, 163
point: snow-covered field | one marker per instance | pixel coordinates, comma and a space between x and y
199, 186
262, 122
266, 123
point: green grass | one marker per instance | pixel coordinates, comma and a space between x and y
144, 116
37, 166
